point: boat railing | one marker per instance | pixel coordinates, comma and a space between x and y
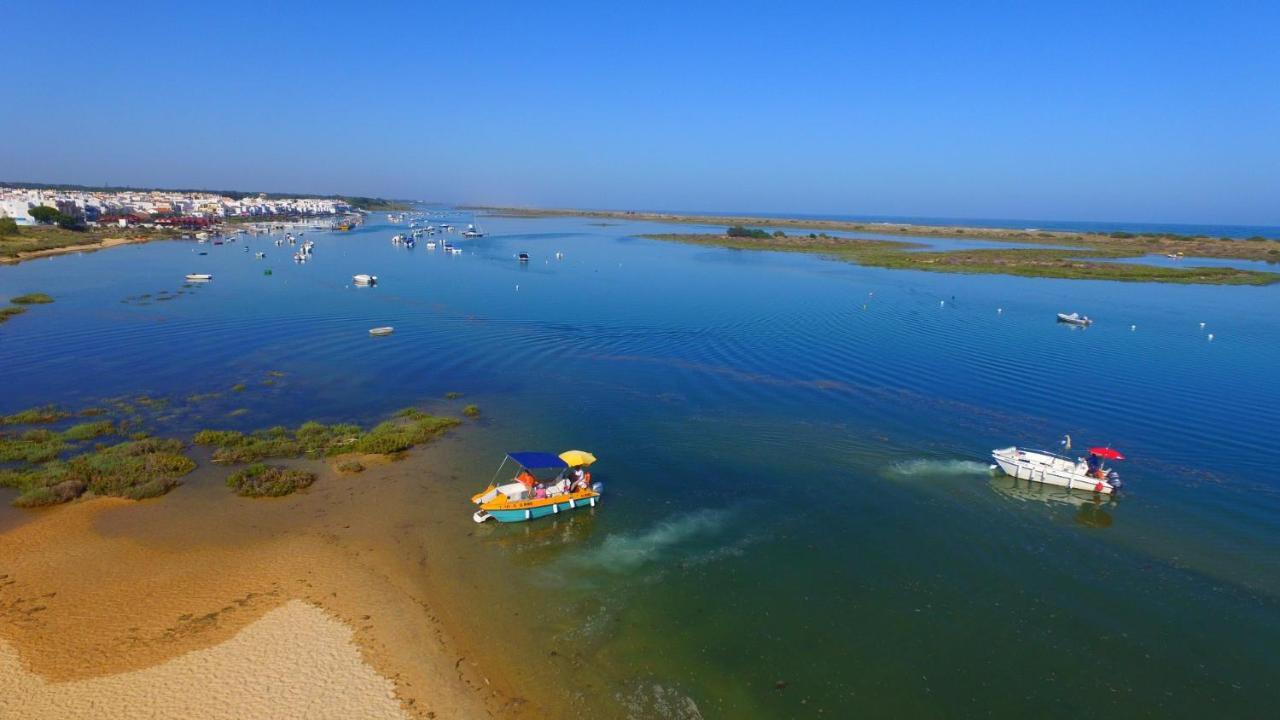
1050, 453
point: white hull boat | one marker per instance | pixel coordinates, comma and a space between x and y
1051, 469
1074, 319
199, 277
364, 280
380, 331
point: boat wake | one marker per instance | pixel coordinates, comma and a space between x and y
623, 552
937, 468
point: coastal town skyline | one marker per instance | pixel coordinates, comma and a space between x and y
1075, 113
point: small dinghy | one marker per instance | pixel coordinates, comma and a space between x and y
199, 277
523, 257
1074, 319
1051, 469
260, 255
364, 280
380, 331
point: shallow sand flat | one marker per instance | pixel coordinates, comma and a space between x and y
107, 587
294, 662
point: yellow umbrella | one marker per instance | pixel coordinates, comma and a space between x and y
574, 458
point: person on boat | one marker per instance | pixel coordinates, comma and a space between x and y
540, 491
1095, 465
579, 479
526, 478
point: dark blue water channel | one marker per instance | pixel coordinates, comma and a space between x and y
799, 518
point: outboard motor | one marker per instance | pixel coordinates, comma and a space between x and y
598, 488
1113, 478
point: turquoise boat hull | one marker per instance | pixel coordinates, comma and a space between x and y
507, 516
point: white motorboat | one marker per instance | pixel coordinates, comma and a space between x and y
380, 331
472, 232
1074, 319
364, 280
199, 277
1051, 469
260, 255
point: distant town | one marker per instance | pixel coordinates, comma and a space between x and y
102, 207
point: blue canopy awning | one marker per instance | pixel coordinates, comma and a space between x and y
537, 460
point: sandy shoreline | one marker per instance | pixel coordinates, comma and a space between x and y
89, 247
294, 662
111, 602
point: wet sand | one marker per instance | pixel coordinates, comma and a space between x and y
112, 601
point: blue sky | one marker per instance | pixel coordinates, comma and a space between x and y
1088, 110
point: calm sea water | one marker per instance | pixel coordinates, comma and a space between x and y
799, 519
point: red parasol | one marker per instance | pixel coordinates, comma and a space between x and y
1107, 453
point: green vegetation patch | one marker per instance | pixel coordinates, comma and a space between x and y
11, 311
410, 427
260, 480
746, 232
89, 430
471, 411
32, 299
53, 236
133, 469
41, 415
351, 466
33, 446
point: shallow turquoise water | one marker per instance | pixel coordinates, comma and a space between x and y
798, 514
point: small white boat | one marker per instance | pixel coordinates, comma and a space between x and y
379, 331
455, 251
260, 255
1051, 469
364, 280
1074, 319
199, 277
472, 232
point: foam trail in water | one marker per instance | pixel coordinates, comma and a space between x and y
924, 468
628, 551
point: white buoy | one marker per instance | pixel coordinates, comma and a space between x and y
999, 311
1210, 337
1132, 328
942, 303
1201, 326
517, 288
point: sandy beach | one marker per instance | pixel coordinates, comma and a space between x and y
201, 604
303, 662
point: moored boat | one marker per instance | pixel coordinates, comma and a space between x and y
379, 331
545, 485
1052, 469
199, 277
1074, 319
364, 280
